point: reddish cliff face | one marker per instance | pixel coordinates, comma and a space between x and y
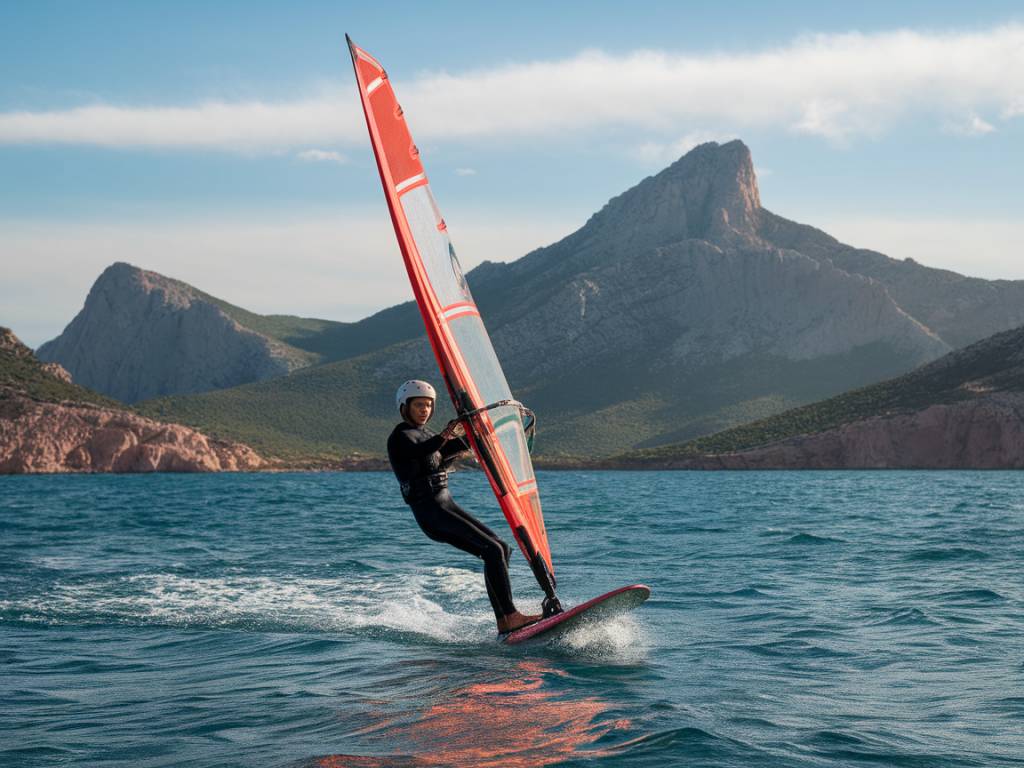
55, 437
983, 433
49, 424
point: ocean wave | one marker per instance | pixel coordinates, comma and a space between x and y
444, 604
965, 597
938, 555
812, 539
906, 617
793, 649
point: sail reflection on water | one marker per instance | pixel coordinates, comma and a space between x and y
518, 720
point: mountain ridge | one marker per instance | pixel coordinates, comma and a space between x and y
681, 307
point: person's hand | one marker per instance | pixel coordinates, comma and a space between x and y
453, 429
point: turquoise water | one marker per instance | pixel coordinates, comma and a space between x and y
797, 619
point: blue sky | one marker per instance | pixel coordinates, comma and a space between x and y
221, 143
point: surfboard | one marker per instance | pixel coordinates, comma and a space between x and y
606, 606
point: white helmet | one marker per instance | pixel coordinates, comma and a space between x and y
413, 388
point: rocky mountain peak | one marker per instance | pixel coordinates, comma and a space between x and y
724, 175
121, 277
708, 194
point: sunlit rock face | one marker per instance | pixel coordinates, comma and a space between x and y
40, 437
683, 307
48, 424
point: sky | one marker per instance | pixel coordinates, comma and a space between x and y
223, 143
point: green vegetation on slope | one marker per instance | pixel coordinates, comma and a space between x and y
346, 408
993, 364
325, 341
324, 412
22, 373
288, 329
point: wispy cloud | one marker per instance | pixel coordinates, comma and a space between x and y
230, 126
321, 156
972, 125
836, 87
465, 171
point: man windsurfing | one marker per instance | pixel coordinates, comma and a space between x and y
420, 459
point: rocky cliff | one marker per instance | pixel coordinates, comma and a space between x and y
986, 433
52, 437
141, 335
48, 424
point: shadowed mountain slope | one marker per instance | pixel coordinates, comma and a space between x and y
965, 410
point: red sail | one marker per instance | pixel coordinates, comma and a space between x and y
470, 368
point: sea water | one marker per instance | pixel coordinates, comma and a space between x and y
796, 619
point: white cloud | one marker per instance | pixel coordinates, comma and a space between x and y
214, 125
465, 171
832, 86
335, 266
991, 248
321, 156
971, 126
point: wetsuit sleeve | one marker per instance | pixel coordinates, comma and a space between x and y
454, 450
454, 447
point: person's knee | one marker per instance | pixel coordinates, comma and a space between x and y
496, 551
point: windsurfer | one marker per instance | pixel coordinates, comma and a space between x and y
420, 459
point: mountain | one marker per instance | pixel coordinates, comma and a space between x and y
50, 424
142, 335
681, 308
965, 410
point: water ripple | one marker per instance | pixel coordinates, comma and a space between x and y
812, 619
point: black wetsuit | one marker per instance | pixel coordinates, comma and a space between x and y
420, 460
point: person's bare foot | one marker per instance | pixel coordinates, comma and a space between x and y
513, 621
